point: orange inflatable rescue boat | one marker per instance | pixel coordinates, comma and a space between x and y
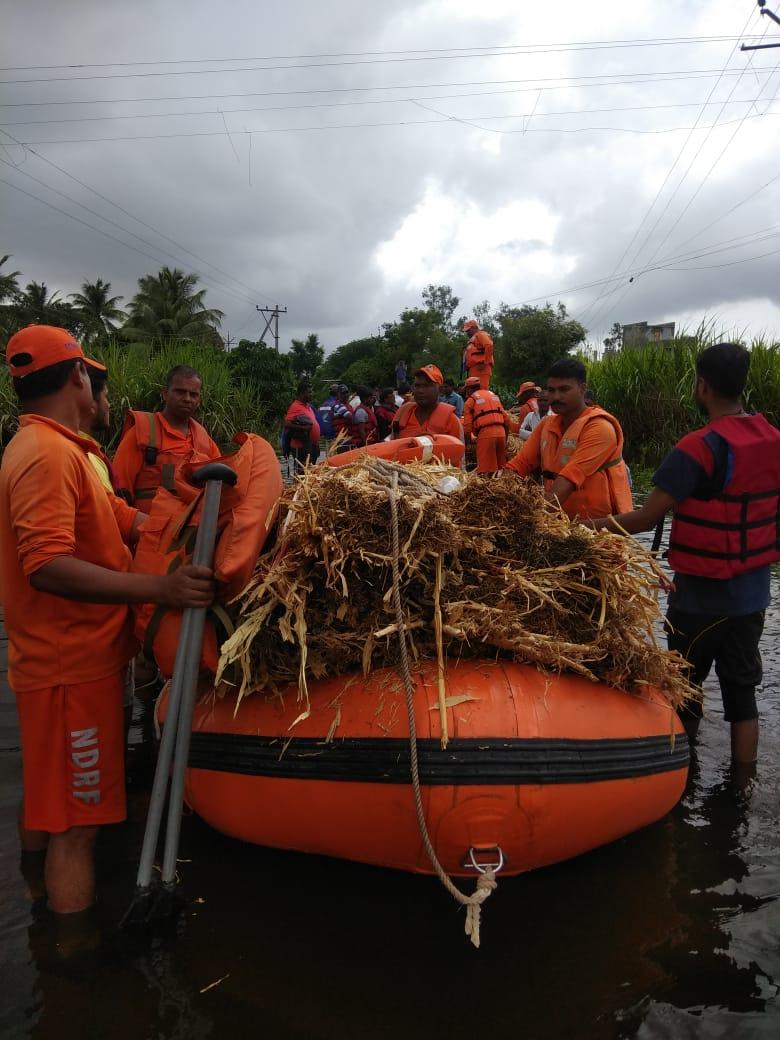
538, 768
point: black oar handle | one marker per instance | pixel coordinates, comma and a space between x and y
215, 471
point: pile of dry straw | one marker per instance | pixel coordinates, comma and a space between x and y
491, 566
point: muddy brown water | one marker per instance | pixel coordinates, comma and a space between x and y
671, 932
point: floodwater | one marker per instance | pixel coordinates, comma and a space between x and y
670, 932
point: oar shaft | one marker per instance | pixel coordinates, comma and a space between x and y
164, 758
202, 556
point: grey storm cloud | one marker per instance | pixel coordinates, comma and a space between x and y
346, 226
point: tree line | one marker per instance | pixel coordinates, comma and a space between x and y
170, 309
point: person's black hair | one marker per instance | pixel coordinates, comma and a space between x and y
97, 381
303, 385
568, 368
403, 388
185, 372
363, 392
387, 390
724, 367
45, 382
448, 382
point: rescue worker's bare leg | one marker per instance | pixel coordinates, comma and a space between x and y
70, 870
744, 741
31, 841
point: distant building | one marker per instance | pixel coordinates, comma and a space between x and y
640, 334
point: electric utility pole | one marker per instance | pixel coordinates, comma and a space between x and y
271, 319
763, 46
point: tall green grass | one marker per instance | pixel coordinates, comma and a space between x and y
137, 376
651, 392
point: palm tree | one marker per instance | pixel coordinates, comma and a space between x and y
9, 281
36, 306
9, 290
169, 305
97, 309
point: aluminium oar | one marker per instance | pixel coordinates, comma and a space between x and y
149, 901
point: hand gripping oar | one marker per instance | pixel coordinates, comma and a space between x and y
178, 721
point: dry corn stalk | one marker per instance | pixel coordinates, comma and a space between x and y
515, 575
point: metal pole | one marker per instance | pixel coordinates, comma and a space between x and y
201, 557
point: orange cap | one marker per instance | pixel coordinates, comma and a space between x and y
528, 386
470, 324
431, 372
473, 381
41, 346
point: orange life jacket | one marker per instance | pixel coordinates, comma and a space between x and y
486, 410
604, 492
160, 466
246, 515
437, 423
422, 448
479, 352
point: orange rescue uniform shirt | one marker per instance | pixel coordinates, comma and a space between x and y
129, 461
414, 428
53, 504
596, 445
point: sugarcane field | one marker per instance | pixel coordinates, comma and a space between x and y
339, 664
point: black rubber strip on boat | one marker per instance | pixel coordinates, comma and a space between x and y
468, 762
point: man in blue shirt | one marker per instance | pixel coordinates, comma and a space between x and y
722, 483
325, 412
449, 396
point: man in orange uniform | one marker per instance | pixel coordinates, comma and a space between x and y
527, 400
64, 562
485, 419
478, 356
155, 444
426, 414
577, 450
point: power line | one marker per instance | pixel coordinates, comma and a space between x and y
690, 165
665, 181
379, 125
707, 175
676, 223
350, 104
113, 223
78, 220
660, 41
560, 83
473, 53
728, 212
737, 243
132, 216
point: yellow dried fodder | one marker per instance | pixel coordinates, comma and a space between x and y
492, 567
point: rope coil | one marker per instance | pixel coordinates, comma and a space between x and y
486, 882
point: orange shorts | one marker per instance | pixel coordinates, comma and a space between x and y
73, 754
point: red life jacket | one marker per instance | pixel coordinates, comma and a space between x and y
437, 423
370, 425
384, 420
341, 420
738, 529
487, 411
160, 465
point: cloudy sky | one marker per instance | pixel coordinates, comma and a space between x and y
348, 153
